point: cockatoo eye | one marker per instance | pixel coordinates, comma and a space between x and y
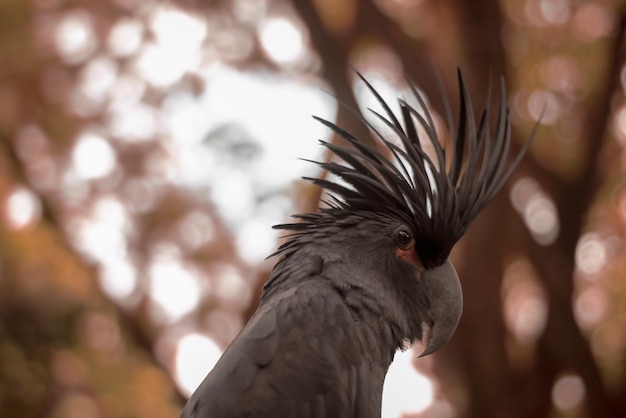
404, 238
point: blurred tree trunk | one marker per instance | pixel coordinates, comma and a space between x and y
501, 392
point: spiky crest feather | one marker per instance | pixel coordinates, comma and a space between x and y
438, 199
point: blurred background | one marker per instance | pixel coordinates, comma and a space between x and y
146, 149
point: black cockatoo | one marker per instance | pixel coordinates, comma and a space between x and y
367, 274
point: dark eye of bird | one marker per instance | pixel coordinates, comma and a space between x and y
404, 238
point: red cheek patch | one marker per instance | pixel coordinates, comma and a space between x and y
410, 256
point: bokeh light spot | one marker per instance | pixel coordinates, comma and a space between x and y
524, 302
544, 104
125, 37
256, 239
177, 47
594, 20
174, 288
537, 209
619, 117
406, 391
176, 28
568, 392
22, 208
541, 218
196, 355
96, 79
75, 37
555, 11
590, 254
93, 156
101, 235
590, 306
282, 40
118, 278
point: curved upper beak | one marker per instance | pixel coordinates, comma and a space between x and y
443, 291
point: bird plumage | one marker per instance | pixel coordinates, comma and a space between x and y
365, 275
